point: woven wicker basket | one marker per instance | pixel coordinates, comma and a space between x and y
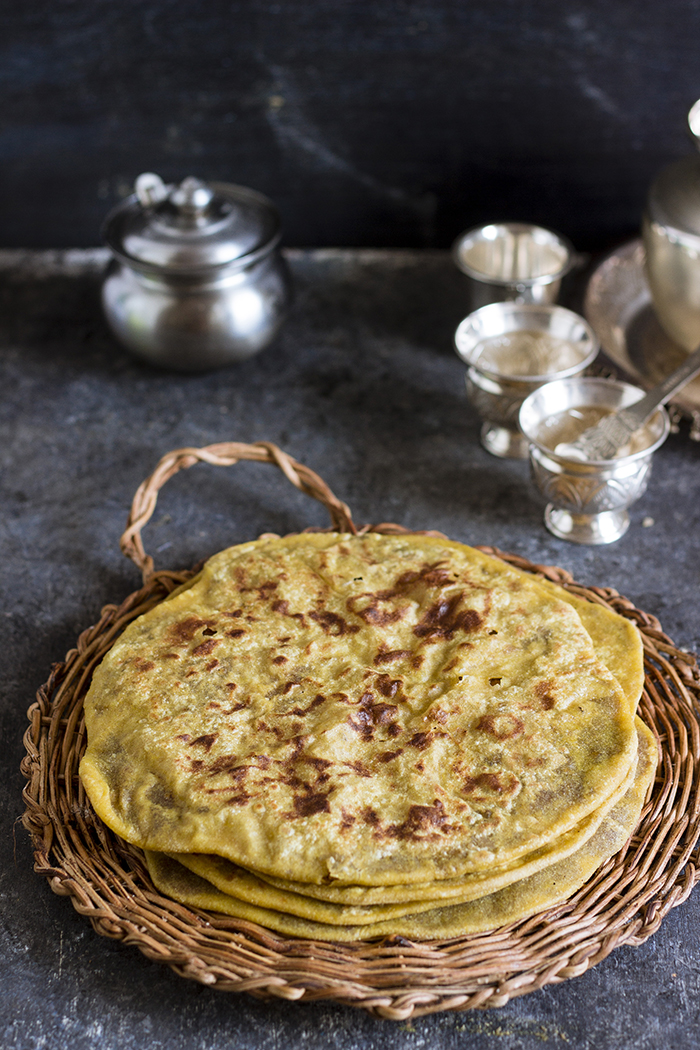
106, 878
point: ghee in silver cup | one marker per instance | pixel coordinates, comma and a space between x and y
588, 500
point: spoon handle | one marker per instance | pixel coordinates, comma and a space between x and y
639, 412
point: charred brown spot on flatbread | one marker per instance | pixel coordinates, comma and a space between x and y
421, 741
370, 715
143, 665
445, 618
389, 756
184, 631
485, 785
282, 607
387, 656
388, 686
311, 802
501, 726
332, 623
543, 691
207, 741
420, 822
301, 711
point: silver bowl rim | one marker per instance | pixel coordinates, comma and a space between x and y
599, 463
539, 380
515, 227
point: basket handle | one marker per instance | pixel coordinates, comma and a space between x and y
224, 454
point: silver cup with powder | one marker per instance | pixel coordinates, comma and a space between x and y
510, 350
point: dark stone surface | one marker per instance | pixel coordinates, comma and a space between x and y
362, 386
370, 122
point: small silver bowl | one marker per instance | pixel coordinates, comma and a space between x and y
513, 261
497, 396
588, 501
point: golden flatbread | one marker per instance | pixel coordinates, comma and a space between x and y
364, 904
519, 900
618, 643
616, 640
371, 711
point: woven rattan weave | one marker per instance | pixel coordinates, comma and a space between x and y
107, 881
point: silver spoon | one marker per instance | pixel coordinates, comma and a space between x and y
607, 437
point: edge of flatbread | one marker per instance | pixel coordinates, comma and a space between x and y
518, 901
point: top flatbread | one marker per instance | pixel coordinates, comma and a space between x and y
371, 710
616, 640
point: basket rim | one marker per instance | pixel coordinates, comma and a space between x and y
624, 902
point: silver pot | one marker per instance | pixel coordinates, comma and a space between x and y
671, 231
197, 280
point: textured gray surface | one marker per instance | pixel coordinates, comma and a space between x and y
362, 386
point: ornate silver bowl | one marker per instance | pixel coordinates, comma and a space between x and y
587, 502
496, 396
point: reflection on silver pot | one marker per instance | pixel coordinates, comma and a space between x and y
671, 231
197, 280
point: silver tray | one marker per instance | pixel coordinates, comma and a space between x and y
618, 308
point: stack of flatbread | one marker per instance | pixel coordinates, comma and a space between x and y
350, 737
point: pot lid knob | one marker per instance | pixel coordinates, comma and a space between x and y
192, 197
150, 189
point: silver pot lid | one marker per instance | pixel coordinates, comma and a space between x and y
191, 227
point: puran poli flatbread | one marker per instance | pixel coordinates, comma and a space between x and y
351, 905
517, 901
616, 640
618, 643
378, 710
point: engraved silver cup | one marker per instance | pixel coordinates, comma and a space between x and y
498, 397
587, 502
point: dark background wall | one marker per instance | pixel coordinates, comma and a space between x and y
369, 122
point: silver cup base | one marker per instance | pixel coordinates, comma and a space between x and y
593, 529
505, 443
